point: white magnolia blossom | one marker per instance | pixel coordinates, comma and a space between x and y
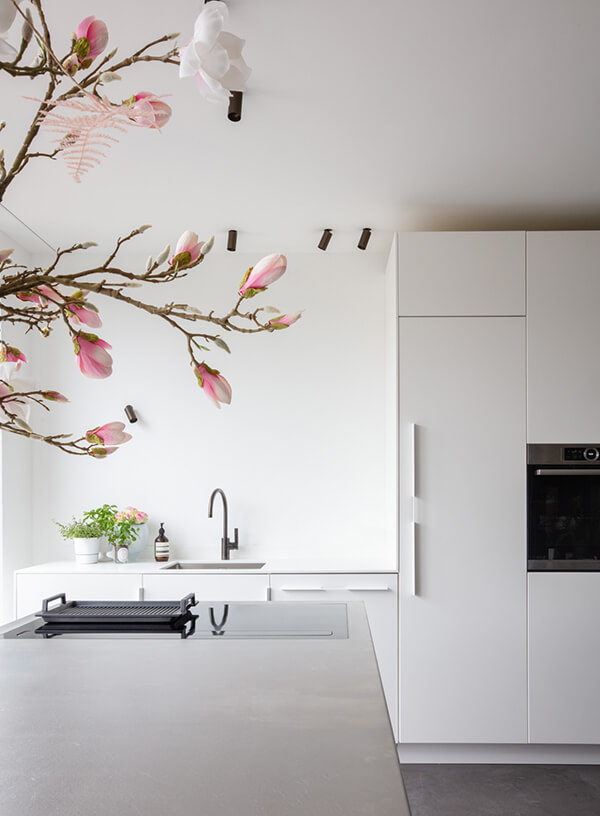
8, 12
214, 56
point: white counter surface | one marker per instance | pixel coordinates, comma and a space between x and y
271, 567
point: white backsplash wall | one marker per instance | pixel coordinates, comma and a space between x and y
300, 452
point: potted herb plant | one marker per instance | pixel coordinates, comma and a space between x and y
120, 527
86, 535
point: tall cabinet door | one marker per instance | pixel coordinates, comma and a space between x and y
462, 530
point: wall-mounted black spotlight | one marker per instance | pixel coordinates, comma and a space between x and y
325, 239
130, 413
364, 238
234, 112
231, 240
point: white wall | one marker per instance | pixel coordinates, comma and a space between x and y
16, 549
300, 452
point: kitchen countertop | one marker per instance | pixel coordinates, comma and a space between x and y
271, 567
179, 727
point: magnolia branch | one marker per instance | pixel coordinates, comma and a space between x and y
84, 121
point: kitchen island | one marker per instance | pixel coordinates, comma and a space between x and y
221, 727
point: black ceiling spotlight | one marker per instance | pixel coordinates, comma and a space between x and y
231, 240
364, 238
234, 112
325, 239
130, 413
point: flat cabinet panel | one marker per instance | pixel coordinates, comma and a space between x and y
206, 587
564, 658
563, 337
33, 588
462, 538
379, 592
461, 273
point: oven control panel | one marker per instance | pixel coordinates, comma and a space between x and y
581, 454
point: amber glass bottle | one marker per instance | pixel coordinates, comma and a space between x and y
161, 545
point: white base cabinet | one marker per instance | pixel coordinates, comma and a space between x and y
379, 592
462, 530
207, 587
564, 658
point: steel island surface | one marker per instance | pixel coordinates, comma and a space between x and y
260, 727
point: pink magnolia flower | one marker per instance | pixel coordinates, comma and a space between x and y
54, 396
5, 253
214, 385
92, 39
266, 271
100, 452
213, 56
110, 434
285, 320
148, 110
188, 248
94, 360
83, 312
10, 354
41, 295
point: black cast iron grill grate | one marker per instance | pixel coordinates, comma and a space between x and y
115, 611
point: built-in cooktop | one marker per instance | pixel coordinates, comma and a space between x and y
208, 621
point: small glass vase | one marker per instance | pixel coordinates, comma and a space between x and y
121, 555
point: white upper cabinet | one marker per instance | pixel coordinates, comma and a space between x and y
563, 337
461, 273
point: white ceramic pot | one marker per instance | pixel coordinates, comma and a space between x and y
86, 550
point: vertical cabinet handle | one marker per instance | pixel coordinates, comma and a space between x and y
413, 501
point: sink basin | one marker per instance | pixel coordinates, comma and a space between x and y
214, 565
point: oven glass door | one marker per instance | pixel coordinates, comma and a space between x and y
563, 518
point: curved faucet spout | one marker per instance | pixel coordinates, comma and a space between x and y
226, 544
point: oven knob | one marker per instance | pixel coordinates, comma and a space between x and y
591, 454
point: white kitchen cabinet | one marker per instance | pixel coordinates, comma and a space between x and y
461, 273
206, 587
379, 592
564, 658
32, 588
563, 337
462, 530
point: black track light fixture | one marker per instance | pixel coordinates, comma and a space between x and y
130, 413
325, 239
232, 240
364, 238
234, 112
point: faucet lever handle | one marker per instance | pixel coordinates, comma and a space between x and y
234, 545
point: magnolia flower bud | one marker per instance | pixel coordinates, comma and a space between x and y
206, 248
112, 53
22, 424
149, 263
109, 76
162, 257
88, 244
27, 30
144, 227
173, 36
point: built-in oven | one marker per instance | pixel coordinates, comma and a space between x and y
563, 507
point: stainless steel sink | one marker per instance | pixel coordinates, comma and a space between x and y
214, 565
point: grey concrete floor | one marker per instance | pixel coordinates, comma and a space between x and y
503, 790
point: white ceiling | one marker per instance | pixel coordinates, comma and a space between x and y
400, 114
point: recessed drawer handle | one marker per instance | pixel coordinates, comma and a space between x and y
303, 589
368, 589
